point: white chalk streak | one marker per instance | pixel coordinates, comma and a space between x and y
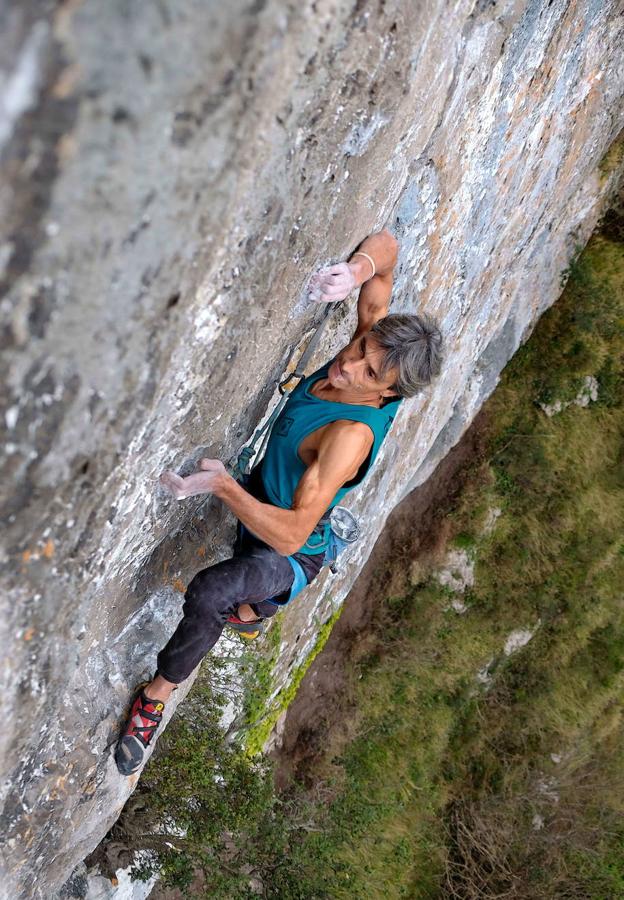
18, 89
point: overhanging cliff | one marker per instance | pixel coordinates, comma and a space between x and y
171, 175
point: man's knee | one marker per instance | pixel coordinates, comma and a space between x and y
205, 594
241, 579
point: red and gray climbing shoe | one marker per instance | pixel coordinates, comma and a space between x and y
247, 630
145, 717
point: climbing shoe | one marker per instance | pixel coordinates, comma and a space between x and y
247, 630
145, 717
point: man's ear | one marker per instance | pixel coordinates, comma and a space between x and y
389, 392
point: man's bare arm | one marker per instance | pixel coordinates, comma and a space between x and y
343, 448
375, 292
337, 282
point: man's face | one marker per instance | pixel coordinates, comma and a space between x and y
357, 368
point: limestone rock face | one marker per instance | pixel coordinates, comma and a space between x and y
171, 174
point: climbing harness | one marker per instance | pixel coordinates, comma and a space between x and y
337, 530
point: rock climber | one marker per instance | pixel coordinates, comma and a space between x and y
321, 446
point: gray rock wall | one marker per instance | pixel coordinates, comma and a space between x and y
171, 173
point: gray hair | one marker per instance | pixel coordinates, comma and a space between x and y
413, 346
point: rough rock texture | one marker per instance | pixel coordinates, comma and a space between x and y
171, 173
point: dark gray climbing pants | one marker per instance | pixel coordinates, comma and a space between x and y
254, 574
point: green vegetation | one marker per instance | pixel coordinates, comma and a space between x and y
465, 771
257, 672
264, 717
612, 160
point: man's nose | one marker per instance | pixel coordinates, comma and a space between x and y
355, 359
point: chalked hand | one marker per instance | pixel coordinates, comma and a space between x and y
208, 481
332, 284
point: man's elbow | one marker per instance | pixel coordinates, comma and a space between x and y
287, 548
292, 543
392, 246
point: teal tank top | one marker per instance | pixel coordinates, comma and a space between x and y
303, 413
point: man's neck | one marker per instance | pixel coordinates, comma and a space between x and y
324, 390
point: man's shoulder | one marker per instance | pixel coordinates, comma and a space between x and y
349, 428
345, 442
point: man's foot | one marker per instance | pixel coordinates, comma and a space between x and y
247, 630
145, 717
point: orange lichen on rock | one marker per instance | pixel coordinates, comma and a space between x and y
66, 82
48, 550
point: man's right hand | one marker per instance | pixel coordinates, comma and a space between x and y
332, 284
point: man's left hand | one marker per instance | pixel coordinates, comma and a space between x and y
215, 471
210, 480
